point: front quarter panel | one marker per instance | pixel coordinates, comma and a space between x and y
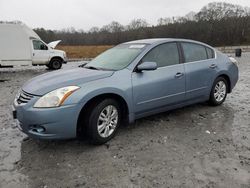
119, 83
57, 53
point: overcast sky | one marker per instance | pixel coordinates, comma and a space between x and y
84, 14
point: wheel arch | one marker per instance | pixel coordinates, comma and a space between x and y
95, 99
55, 57
225, 76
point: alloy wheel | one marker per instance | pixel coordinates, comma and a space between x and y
220, 91
107, 121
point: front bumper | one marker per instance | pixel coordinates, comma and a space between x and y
47, 123
65, 60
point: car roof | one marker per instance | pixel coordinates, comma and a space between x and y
163, 40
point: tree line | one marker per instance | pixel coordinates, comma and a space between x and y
217, 24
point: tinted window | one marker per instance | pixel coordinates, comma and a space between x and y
163, 55
194, 52
210, 53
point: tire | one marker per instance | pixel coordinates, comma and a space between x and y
55, 64
219, 90
105, 115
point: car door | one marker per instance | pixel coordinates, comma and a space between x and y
200, 68
160, 87
40, 54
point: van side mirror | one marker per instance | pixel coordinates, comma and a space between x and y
146, 66
43, 47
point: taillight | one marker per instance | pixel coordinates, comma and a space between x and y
233, 60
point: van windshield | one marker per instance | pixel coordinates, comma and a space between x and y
116, 58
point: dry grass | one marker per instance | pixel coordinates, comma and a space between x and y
83, 51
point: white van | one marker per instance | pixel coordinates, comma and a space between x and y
20, 45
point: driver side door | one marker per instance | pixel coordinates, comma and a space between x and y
40, 53
162, 87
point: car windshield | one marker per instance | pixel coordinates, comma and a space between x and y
116, 58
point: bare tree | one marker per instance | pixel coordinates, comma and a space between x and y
137, 24
216, 24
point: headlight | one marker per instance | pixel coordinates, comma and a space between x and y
55, 98
18, 94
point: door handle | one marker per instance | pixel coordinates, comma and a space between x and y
179, 74
213, 66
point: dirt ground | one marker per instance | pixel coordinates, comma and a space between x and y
196, 146
81, 52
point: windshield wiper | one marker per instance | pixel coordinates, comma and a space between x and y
97, 68
82, 65
91, 67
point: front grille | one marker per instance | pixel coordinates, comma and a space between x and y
24, 97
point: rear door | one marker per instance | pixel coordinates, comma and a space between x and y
163, 86
200, 67
40, 53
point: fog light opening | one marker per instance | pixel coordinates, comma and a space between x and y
38, 129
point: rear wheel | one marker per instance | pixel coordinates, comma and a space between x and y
219, 91
102, 121
55, 64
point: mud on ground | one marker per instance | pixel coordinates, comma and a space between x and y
196, 146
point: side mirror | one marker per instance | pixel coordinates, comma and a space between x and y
43, 47
146, 66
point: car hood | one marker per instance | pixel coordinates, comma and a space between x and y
53, 44
45, 83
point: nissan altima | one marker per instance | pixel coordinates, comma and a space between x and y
130, 81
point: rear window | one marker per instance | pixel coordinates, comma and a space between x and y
194, 52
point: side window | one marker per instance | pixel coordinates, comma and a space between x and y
210, 53
164, 55
38, 45
194, 52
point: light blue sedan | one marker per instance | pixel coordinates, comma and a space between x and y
130, 81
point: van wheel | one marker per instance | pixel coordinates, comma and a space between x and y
102, 121
219, 91
55, 64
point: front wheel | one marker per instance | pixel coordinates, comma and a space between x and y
103, 121
219, 91
55, 64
